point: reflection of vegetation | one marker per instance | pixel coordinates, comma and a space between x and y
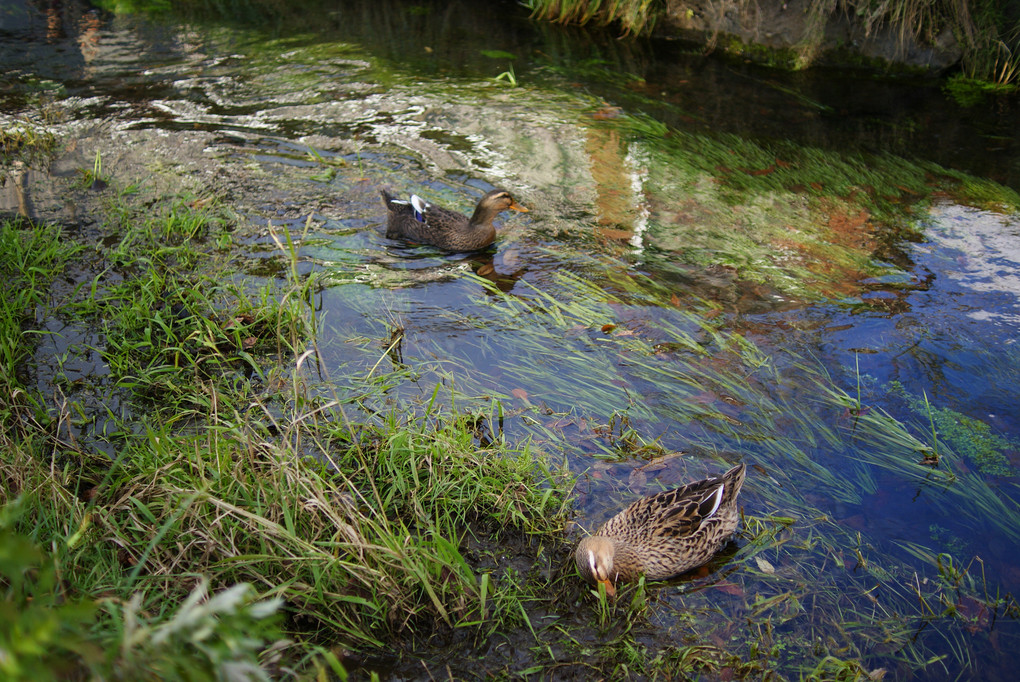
969, 437
810, 223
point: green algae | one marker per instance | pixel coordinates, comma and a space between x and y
970, 437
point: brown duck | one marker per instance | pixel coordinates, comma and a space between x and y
663, 535
419, 221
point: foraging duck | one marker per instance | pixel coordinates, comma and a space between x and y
663, 535
419, 221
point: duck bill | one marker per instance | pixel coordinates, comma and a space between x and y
610, 590
517, 207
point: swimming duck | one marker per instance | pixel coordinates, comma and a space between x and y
419, 221
663, 535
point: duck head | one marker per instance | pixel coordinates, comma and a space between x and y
594, 559
494, 202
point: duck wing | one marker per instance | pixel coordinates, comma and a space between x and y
678, 513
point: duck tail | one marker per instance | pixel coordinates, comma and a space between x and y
734, 479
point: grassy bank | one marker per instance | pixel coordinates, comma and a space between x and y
229, 476
987, 33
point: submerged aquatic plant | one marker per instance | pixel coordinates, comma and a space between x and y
509, 76
971, 438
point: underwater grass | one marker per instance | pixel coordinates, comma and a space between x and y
589, 373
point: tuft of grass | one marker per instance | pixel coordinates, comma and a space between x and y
509, 76
31, 256
25, 143
633, 16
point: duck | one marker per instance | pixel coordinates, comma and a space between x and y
419, 221
663, 535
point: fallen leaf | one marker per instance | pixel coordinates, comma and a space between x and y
606, 328
730, 588
519, 393
975, 613
764, 566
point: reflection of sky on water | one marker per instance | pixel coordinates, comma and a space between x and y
978, 251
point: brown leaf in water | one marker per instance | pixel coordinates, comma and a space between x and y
731, 589
606, 328
975, 612
675, 300
857, 522
519, 393
486, 270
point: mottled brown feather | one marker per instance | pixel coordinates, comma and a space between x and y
448, 229
664, 534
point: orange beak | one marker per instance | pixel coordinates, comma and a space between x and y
610, 590
517, 207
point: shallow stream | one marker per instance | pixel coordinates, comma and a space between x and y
698, 274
